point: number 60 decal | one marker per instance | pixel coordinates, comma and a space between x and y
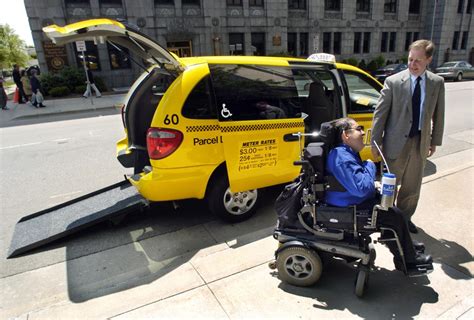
174, 119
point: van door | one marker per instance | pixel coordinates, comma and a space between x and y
362, 94
257, 117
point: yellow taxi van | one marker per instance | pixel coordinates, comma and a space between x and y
220, 128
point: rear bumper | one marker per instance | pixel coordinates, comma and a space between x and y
173, 184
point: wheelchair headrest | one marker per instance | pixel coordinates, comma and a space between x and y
329, 134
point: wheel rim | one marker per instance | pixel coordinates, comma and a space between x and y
298, 267
240, 202
459, 77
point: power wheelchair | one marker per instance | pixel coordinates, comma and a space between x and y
308, 228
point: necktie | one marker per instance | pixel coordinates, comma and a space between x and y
415, 103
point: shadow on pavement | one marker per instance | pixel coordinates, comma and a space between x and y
448, 253
430, 169
389, 295
148, 246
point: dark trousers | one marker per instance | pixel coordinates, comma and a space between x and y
393, 219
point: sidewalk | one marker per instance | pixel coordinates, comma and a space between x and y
58, 106
219, 271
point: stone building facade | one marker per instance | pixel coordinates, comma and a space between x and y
360, 29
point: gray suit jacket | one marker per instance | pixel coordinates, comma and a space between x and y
393, 114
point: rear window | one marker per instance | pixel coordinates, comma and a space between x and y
198, 105
252, 92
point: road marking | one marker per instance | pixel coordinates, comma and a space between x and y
65, 194
21, 145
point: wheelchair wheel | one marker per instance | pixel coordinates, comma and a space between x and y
362, 279
299, 266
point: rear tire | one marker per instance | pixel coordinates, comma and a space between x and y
299, 266
229, 206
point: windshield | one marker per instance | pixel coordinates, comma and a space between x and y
448, 64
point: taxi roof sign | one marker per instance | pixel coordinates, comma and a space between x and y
322, 57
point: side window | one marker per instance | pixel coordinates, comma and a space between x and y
198, 104
363, 92
252, 92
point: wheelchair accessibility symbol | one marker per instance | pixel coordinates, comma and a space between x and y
225, 113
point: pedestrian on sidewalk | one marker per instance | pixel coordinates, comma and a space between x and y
409, 122
19, 85
90, 83
25, 81
36, 97
3, 95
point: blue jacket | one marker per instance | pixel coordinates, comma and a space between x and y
356, 176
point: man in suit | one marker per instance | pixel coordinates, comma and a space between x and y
409, 122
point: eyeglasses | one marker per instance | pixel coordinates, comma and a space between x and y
358, 128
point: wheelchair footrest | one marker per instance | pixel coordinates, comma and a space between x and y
420, 270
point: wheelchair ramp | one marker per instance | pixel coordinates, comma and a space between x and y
67, 218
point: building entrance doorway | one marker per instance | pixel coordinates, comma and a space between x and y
180, 48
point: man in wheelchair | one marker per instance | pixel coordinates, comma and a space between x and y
333, 208
358, 177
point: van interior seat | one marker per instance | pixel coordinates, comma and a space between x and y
318, 106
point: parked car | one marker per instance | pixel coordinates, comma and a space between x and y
383, 73
455, 70
222, 127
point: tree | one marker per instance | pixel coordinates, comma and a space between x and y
12, 48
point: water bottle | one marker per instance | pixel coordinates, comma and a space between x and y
389, 183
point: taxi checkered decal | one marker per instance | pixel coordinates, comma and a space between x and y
214, 127
269, 126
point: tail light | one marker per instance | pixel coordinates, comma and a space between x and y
162, 142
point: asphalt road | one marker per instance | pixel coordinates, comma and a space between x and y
63, 157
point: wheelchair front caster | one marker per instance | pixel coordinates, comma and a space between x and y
272, 265
362, 280
299, 266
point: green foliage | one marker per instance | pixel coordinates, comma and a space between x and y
80, 89
404, 59
380, 61
372, 66
69, 77
100, 84
281, 54
12, 48
352, 62
362, 65
59, 91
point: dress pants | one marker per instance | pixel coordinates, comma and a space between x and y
408, 168
394, 219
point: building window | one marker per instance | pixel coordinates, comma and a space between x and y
455, 40
393, 41
390, 6
465, 34
332, 5
118, 57
91, 56
357, 42
297, 4
258, 43
234, 3
363, 6
383, 44
337, 43
292, 43
327, 42
460, 6
169, 2
366, 45
191, 2
407, 40
304, 44
469, 7
414, 7
236, 43
256, 3
77, 2
416, 36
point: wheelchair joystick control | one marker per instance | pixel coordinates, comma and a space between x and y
389, 183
